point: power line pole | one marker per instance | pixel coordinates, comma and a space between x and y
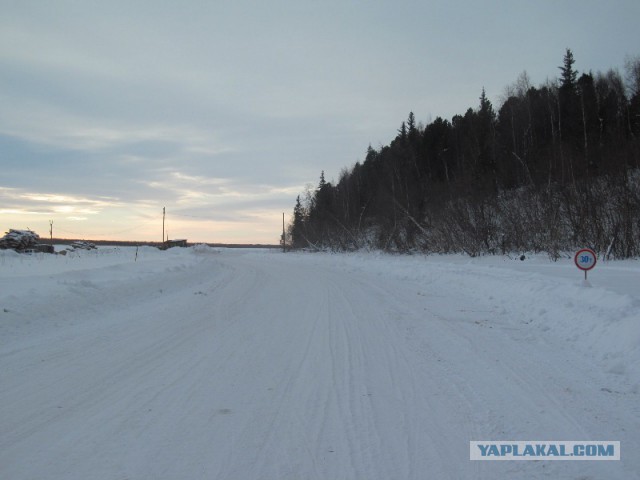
284, 243
51, 230
163, 212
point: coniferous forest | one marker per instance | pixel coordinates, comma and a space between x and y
555, 167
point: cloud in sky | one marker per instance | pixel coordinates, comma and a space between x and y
223, 111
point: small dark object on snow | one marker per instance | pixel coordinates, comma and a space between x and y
82, 245
522, 257
175, 243
44, 248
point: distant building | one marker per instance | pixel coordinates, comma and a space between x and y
176, 243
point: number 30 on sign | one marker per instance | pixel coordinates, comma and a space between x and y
585, 259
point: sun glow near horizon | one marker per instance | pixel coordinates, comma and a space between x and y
110, 219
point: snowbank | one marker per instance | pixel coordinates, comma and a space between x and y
536, 295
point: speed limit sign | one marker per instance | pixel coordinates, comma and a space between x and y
585, 260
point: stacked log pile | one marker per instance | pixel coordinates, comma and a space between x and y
82, 245
19, 240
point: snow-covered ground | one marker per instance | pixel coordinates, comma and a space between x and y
231, 364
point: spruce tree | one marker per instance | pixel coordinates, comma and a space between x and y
297, 229
569, 76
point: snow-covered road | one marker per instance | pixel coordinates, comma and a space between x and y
221, 364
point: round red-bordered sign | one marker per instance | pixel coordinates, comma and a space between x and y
585, 259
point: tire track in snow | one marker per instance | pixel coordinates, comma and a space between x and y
270, 366
412, 389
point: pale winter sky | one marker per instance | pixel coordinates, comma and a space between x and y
222, 112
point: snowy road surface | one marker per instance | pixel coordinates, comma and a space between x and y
222, 364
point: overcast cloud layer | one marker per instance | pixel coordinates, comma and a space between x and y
223, 111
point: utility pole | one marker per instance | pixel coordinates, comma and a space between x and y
163, 212
284, 244
51, 230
